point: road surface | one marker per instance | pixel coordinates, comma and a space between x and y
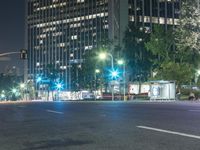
100, 126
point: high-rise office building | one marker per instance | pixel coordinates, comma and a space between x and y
59, 32
149, 12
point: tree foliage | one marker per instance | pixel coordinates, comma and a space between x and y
160, 44
50, 76
169, 62
182, 73
89, 79
187, 34
188, 30
135, 53
7, 83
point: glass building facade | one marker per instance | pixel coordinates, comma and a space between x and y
149, 12
59, 32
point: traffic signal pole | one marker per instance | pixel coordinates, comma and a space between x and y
9, 53
23, 56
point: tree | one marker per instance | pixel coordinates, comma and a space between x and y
182, 73
8, 82
187, 35
52, 73
88, 80
169, 64
160, 44
88, 69
136, 55
188, 30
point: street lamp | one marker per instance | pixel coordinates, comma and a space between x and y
96, 72
114, 74
122, 62
22, 85
102, 56
59, 86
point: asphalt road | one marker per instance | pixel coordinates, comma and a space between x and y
100, 126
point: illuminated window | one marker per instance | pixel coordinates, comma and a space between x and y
88, 47
71, 55
74, 37
61, 45
80, 1
105, 26
63, 67
57, 34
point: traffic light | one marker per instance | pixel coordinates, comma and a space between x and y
23, 54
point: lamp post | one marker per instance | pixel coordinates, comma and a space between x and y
121, 62
103, 56
96, 72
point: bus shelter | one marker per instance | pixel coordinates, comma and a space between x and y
162, 90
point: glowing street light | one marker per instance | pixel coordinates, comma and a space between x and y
97, 71
114, 74
14, 91
22, 85
59, 86
103, 56
120, 62
39, 79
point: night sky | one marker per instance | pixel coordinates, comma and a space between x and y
12, 16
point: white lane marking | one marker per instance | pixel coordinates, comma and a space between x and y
194, 110
169, 132
56, 112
